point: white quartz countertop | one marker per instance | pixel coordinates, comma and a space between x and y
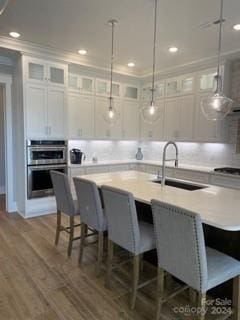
217, 206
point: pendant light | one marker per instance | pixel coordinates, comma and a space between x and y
217, 106
151, 112
111, 115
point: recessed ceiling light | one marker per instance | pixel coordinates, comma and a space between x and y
131, 64
82, 52
14, 34
173, 49
236, 27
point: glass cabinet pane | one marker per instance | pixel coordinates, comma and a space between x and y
172, 87
131, 92
56, 75
116, 89
87, 85
207, 81
35, 71
159, 90
146, 93
187, 85
73, 81
102, 87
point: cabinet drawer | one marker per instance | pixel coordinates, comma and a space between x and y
192, 175
115, 168
74, 172
98, 169
153, 169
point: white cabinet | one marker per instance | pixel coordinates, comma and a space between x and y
102, 129
205, 130
130, 120
181, 85
45, 111
207, 81
81, 84
179, 118
130, 92
158, 93
36, 113
80, 116
102, 87
41, 71
153, 131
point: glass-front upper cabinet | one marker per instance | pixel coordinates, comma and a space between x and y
173, 87
42, 71
102, 87
73, 81
80, 83
180, 85
158, 94
87, 85
187, 84
207, 80
130, 92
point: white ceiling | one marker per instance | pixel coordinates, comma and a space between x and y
73, 24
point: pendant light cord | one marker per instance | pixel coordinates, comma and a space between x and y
154, 50
219, 82
112, 58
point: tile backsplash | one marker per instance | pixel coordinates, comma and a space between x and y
203, 154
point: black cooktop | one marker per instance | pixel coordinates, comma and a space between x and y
228, 170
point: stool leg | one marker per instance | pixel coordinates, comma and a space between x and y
236, 298
58, 229
136, 267
109, 263
192, 295
82, 243
202, 305
160, 290
71, 235
100, 252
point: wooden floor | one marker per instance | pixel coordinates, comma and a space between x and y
38, 281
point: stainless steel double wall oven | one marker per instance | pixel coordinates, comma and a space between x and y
42, 157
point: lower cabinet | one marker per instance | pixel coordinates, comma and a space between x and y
102, 129
80, 116
153, 131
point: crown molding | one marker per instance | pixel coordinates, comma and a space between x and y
36, 50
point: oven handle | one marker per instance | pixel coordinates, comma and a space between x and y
47, 167
47, 148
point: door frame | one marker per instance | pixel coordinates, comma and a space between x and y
6, 82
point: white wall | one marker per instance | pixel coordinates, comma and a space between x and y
203, 154
2, 145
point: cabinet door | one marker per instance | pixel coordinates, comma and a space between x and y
87, 85
36, 71
130, 120
57, 74
205, 130
56, 112
73, 81
102, 87
153, 131
102, 129
172, 120
36, 111
80, 116
173, 87
207, 81
130, 92
187, 113
187, 84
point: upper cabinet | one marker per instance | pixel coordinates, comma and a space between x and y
158, 93
130, 120
181, 85
81, 84
45, 72
130, 92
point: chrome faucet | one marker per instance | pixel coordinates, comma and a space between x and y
166, 160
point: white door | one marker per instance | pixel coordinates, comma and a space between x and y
130, 120
36, 111
187, 112
56, 112
172, 119
80, 116
205, 130
153, 131
102, 129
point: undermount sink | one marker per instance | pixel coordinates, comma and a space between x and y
181, 185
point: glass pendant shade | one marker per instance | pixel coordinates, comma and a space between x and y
216, 107
111, 115
150, 113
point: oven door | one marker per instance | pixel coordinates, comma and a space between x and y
39, 180
46, 155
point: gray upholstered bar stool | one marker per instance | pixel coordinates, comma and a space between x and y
125, 230
92, 215
182, 253
65, 204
